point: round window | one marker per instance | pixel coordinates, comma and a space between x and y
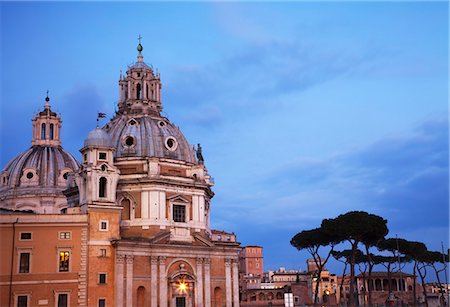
104, 168
129, 141
65, 175
171, 143
30, 175
161, 123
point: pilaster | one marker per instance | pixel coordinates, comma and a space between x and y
129, 291
119, 281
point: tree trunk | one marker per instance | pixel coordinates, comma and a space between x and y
351, 300
441, 289
369, 289
423, 274
414, 283
341, 287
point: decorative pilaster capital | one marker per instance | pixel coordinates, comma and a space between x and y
162, 260
207, 261
199, 260
227, 262
119, 259
154, 260
129, 259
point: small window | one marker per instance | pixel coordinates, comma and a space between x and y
25, 236
104, 168
129, 141
24, 264
102, 278
63, 299
64, 235
63, 211
161, 123
85, 157
103, 225
66, 175
101, 302
30, 175
179, 213
102, 252
22, 301
102, 155
64, 257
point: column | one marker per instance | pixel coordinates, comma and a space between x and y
228, 289
154, 282
235, 283
207, 282
162, 282
119, 281
199, 284
129, 291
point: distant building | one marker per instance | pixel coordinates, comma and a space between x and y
400, 285
251, 260
437, 295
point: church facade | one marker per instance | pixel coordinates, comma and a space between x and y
129, 225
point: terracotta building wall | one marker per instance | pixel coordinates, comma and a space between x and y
44, 281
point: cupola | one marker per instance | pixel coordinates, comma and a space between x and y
140, 89
46, 127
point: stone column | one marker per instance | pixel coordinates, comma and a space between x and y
235, 283
228, 290
154, 282
199, 284
207, 282
162, 282
118, 281
129, 292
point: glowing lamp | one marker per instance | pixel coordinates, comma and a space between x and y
182, 286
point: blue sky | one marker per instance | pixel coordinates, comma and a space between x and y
304, 110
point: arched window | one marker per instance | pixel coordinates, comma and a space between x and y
126, 209
378, 286
138, 91
51, 131
146, 90
102, 187
140, 296
218, 296
43, 131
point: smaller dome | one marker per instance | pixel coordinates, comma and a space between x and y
98, 137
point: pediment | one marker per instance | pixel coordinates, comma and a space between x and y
178, 198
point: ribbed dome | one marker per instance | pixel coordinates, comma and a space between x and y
98, 137
45, 167
148, 136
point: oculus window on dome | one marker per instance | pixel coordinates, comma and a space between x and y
171, 143
129, 141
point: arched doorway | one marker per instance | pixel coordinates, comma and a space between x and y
181, 284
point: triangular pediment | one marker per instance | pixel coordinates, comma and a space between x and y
178, 198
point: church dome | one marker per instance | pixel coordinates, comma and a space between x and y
148, 136
98, 137
43, 167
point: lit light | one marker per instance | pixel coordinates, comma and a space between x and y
182, 286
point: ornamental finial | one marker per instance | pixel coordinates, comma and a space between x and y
47, 103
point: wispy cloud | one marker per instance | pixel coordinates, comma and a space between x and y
403, 178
